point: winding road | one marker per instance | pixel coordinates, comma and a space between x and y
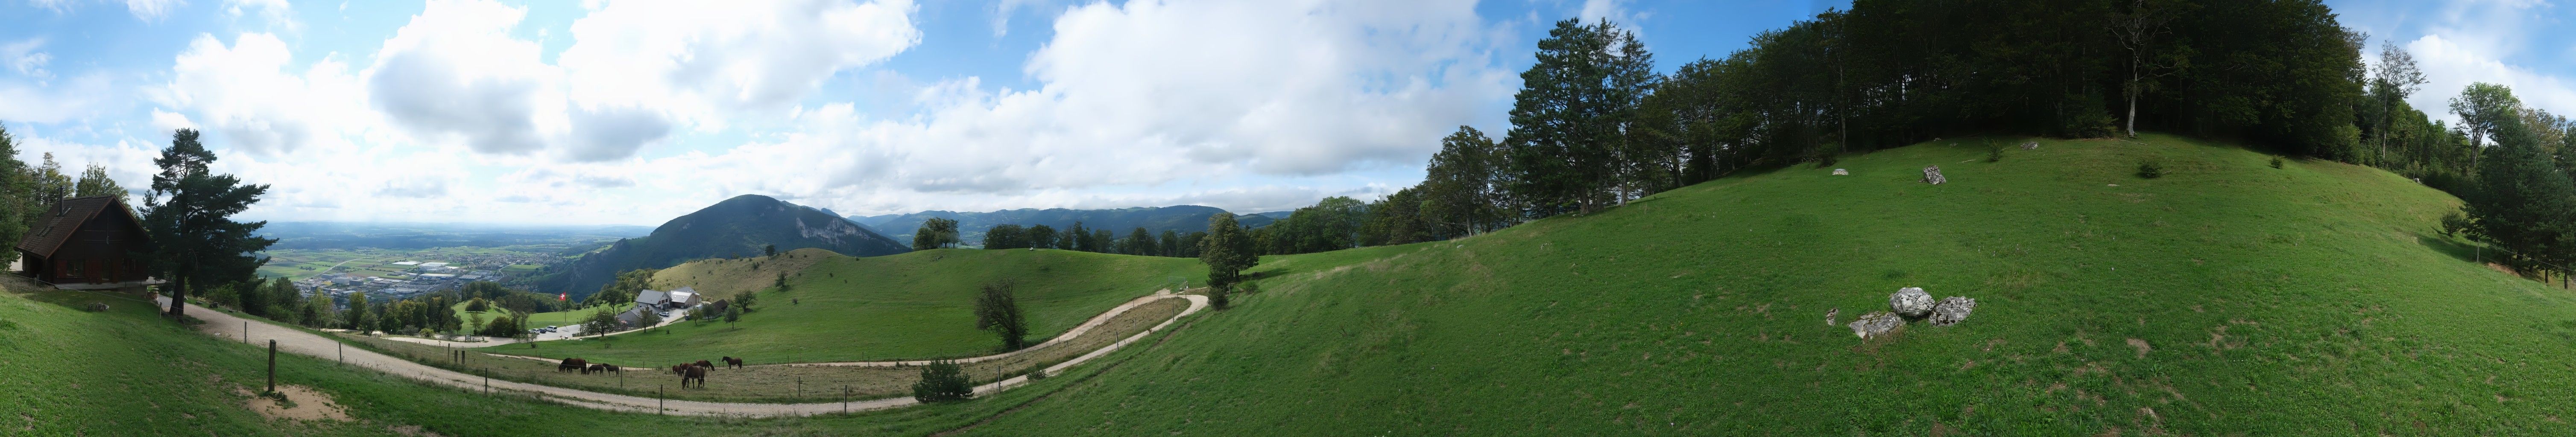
291, 340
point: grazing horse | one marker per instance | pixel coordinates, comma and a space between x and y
602, 368
573, 364
704, 363
694, 373
731, 362
680, 369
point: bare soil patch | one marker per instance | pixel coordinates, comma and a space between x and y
302, 404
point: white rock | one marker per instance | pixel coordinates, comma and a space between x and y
1875, 324
2034, 145
1841, 172
1952, 310
1932, 175
1910, 302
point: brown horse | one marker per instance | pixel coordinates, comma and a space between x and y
680, 369
698, 373
573, 365
731, 362
603, 368
704, 363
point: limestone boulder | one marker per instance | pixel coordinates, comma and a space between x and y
1952, 310
1841, 172
1910, 302
1932, 175
2033, 145
1876, 324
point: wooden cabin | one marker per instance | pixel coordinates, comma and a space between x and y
86, 240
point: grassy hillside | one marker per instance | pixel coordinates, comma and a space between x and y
127, 372
2226, 298
908, 306
719, 277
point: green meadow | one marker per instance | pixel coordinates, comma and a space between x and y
911, 306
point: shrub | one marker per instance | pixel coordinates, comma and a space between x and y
942, 381
1035, 372
2453, 223
2276, 162
1994, 153
2150, 169
1217, 296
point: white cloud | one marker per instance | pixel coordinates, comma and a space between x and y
2450, 66
23, 57
454, 74
152, 10
248, 93
706, 61
1155, 100
277, 12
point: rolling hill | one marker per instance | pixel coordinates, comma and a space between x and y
971, 225
916, 305
741, 226
2225, 298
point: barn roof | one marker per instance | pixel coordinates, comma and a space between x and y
58, 225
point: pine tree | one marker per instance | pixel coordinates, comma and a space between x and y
189, 216
1226, 251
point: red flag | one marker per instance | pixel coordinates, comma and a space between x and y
563, 296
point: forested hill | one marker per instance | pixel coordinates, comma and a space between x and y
742, 226
971, 225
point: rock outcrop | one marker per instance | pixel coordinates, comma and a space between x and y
2033, 145
1952, 310
1910, 302
1932, 175
1876, 324
1841, 172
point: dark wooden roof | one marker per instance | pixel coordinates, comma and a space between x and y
58, 225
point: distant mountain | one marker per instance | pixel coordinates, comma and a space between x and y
971, 225
741, 226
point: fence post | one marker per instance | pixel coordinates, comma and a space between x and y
657, 399
343, 349
272, 365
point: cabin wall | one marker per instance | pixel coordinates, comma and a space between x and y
101, 251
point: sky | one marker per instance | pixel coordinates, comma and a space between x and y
618, 112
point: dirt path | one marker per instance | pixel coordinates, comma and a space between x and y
225, 325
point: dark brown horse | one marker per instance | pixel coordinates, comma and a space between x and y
731, 362
603, 368
704, 363
698, 373
573, 365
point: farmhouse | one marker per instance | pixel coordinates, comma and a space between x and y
684, 297
652, 298
87, 243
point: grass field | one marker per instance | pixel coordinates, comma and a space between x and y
760, 382
2226, 298
538, 320
911, 306
128, 372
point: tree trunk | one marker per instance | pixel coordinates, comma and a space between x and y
178, 296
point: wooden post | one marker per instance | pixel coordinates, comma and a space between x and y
657, 399
272, 365
343, 349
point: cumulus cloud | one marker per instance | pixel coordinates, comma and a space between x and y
2450, 66
703, 60
248, 93
277, 12
454, 73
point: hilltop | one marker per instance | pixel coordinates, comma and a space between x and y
2225, 298
742, 226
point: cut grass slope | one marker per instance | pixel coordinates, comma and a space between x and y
909, 306
2226, 298
719, 278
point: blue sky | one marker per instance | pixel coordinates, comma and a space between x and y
634, 112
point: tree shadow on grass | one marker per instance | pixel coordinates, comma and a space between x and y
2463, 251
